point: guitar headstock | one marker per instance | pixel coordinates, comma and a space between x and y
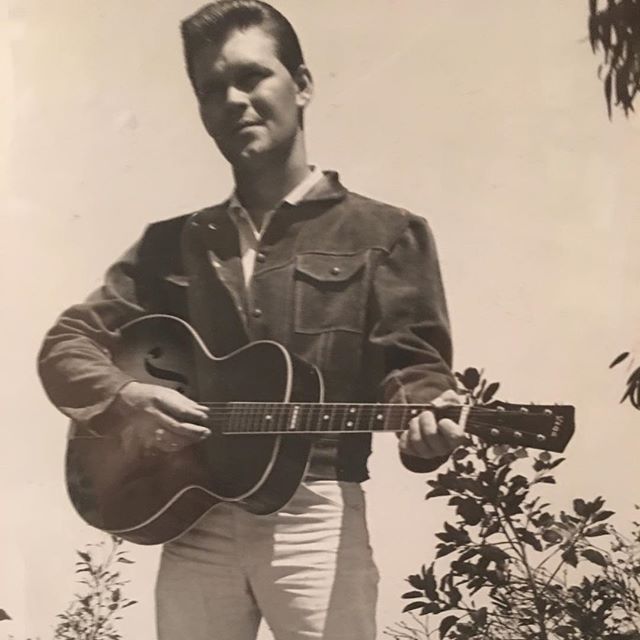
548, 427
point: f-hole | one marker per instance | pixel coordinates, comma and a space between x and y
161, 373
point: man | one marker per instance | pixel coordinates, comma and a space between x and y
348, 284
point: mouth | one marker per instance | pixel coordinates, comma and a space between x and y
244, 124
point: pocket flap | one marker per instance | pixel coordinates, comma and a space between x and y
329, 267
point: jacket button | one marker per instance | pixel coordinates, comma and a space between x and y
257, 313
212, 226
261, 257
335, 271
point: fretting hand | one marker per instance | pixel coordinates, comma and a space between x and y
427, 437
159, 418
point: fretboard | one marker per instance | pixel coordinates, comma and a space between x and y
281, 418
544, 427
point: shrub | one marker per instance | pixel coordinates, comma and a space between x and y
515, 570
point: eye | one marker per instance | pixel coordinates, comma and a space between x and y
211, 90
249, 80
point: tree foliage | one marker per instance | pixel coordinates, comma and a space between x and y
509, 568
614, 28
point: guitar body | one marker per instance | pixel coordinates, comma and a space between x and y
153, 498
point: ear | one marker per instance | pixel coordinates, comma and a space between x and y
304, 83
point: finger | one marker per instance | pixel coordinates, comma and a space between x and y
453, 434
168, 441
430, 435
193, 432
180, 406
412, 440
448, 398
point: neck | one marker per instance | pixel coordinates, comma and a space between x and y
262, 185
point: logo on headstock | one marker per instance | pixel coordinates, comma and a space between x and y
558, 421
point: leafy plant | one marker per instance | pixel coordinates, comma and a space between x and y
615, 28
93, 612
632, 392
514, 570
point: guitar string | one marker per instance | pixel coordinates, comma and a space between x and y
273, 431
284, 409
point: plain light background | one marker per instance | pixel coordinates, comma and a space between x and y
485, 117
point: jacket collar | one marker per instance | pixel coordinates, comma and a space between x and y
327, 189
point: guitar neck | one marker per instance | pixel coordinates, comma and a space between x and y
544, 427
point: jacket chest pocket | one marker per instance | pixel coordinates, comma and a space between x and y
329, 292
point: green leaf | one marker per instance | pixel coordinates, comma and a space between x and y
570, 557
596, 530
85, 556
580, 507
430, 607
429, 583
446, 624
496, 554
460, 453
602, 515
470, 511
552, 536
445, 549
490, 391
412, 606
416, 581
411, 595
619, 359
594, 556
607, 92
437, 492
529, 538
470, 378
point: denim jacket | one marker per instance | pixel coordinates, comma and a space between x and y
347, 283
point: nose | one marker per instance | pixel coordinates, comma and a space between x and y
235, 96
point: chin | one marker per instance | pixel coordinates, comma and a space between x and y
252, 153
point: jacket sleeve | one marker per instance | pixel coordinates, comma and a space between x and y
74, 362
411, 326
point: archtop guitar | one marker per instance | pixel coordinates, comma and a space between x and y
265, 407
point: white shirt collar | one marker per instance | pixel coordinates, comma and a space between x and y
293, 197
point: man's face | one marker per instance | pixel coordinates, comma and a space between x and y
249, 102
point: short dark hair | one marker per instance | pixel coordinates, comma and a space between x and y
213, 22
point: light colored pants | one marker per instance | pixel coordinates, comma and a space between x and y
308, 570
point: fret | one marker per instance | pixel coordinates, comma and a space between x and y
269, 417
344, 417
351, 417
311, 413
256, 413
253, 413
328, 417
381, 417
235, 419
244, 418
281, 414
